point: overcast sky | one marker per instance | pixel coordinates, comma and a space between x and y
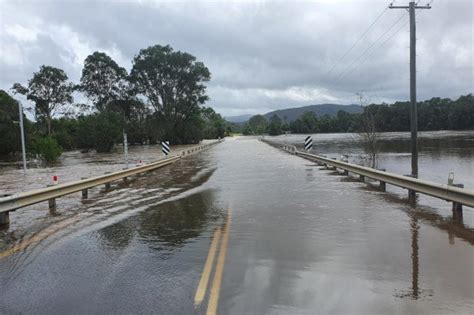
262, 55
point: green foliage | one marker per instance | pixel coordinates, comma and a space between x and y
47, 148
246, 130
9, 130
232, 127
49, 90
214, 124
258, 124
433, 114
274, 128
173, 83
307, 123
66, 132
103, 80
99, 131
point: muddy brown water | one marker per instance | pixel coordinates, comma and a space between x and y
302, 240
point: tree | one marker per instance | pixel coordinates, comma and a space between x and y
246, 130
99, 131
9, 131
214, 124
50, 90
306, 123
173, 83
369, 132
103, 80
310, 121
274, 128
47, 148
258, 124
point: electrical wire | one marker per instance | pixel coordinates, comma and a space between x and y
378, 47
342, 74
373, 51
356, 42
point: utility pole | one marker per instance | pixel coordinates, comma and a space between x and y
20, 109
125, 147
412, 6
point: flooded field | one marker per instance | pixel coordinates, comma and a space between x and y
300, 241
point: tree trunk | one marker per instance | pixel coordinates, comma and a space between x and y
48, 123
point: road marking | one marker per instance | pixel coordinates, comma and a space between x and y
216, 284
43, 234
206, 273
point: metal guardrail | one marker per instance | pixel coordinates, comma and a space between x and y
20, 200
446, 192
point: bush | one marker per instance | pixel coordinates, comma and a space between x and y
48, 149
100, 131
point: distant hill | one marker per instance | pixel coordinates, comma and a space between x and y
238, 119
294, 113
320, 110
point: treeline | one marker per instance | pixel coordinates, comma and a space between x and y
161, 98
433, 114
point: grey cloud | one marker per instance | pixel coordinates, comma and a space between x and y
264, 55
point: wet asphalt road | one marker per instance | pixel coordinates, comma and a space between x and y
299, 240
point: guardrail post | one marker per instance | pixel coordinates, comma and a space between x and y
333, 167
125, 179
457, 211
457, 207
346, 173
107, 185
51, 202
411, 193
382, 185
85, 192
362, 178
5, 218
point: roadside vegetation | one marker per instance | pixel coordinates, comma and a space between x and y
433, 114
162, 98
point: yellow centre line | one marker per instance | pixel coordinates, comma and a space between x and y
206, 273
216, 284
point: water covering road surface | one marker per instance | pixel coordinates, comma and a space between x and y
299, 240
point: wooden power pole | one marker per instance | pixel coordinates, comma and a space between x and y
413, 108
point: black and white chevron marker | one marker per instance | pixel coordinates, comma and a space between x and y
165, 147
308, 143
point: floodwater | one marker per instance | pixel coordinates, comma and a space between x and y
296, 239
440, 153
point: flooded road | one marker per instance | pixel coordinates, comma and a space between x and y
295, 238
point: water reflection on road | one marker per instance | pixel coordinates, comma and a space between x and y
301, 241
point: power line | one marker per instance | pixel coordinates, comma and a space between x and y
373, 51
357, 41
341, 74
379, 46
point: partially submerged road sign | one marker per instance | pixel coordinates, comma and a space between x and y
165, 147
308, 143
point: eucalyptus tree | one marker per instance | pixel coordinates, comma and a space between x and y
258, 124
103, 80
50, 90
173, 83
